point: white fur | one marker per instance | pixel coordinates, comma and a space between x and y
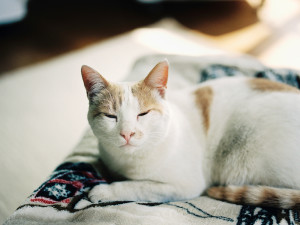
174, 159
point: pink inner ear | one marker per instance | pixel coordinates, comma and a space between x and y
158, 77
91, 77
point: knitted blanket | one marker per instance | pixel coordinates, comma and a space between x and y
63, 198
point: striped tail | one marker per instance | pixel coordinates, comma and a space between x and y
263, 196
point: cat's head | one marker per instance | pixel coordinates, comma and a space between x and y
128, 117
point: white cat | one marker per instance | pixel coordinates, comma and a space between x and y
232, 131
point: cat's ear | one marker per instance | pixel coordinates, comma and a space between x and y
93, 81
158, 77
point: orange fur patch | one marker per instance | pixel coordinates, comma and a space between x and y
217, 192
239, 196
270, 197
146, 97
261, 84
110, 98
296, 200
204, 97
259, 196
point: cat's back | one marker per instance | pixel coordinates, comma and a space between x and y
231, 100
227, 96
247, 118
216, 102
241, 88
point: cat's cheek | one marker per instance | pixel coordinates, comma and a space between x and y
139, 134
103, 128
110, 124
138, 138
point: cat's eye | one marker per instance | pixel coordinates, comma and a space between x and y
110, 116
144, 113
106, 115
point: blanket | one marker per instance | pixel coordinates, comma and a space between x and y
63, 197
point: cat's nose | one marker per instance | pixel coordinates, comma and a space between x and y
127, 135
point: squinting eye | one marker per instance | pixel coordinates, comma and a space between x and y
144, 113
111, 116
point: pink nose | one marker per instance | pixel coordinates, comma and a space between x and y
127, 135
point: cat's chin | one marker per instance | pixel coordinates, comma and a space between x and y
128, 148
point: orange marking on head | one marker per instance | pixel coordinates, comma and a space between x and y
146, 97
110, 98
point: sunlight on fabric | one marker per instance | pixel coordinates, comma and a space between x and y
283, 46
279, 13
288, 45
166, 41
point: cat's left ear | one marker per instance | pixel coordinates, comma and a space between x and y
158, 77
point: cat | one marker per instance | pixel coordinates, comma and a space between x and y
236, 139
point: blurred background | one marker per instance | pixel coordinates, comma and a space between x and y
43, 44
32, 31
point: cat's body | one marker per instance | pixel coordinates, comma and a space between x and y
230, 131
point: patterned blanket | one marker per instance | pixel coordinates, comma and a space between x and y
63, 198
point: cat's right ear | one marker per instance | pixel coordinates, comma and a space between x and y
93, 81
158, 77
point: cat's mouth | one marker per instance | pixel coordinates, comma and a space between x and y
127, 145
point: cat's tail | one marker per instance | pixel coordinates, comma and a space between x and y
257, 195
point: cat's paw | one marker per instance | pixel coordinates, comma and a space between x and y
102, 193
